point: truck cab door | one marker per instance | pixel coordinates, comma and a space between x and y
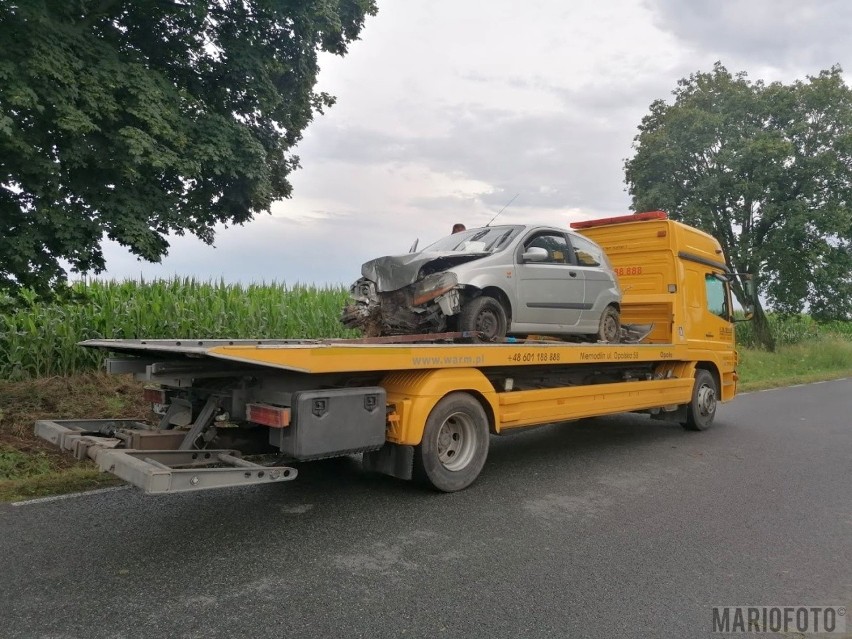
549, 292
719, 330
709, 323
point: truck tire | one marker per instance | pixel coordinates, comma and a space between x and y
485, 315
702, 409
609, 330
455, 444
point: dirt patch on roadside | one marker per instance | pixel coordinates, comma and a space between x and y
90, 395
95, 395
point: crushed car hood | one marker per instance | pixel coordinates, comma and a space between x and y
393, 272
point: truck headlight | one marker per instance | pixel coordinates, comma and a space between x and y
432, 286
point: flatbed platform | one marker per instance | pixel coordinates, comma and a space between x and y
339, 356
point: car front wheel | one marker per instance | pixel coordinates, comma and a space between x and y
486, 316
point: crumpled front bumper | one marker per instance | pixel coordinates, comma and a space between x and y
394, 313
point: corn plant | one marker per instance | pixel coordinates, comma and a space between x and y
40, 338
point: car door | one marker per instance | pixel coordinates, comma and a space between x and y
596, 273
550, 293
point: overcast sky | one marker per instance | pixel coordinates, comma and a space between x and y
449, 108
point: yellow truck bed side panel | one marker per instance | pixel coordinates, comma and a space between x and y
525, 408
414, 394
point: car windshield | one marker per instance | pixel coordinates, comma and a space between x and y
483, 240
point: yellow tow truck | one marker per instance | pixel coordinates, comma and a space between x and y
240, 412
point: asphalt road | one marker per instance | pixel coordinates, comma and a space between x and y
616, 527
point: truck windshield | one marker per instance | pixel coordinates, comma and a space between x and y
483, 240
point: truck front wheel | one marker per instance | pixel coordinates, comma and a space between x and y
702, 409
455, 444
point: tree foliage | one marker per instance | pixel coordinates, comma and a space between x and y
138, 118
767, 170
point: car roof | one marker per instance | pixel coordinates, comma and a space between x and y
525, 227
534, 227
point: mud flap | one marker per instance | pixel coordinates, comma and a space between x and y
391, 459
676, 415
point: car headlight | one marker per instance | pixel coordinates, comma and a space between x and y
432, 286
363, 290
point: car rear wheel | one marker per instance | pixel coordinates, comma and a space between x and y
484, 315
609, 329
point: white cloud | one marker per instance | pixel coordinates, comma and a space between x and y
771, 39
448, 109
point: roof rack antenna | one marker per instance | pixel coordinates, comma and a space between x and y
503, 209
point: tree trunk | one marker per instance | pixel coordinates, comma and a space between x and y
762, 331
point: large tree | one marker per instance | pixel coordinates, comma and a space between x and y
139, 118
767, 170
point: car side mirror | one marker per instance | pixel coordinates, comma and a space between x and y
534, 254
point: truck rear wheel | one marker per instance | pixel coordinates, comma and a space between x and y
701, 411
455, 444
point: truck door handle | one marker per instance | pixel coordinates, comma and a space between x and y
572, 273
709, 335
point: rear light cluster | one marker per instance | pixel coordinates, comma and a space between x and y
267, 415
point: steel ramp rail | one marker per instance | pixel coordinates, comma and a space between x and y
156, 472
159, 472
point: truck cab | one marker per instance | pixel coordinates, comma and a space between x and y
675, 277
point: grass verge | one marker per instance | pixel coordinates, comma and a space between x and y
32, 468
85, 476
811, 361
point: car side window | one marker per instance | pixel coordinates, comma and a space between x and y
588, 253
558, 250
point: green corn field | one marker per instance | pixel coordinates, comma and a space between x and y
40, 339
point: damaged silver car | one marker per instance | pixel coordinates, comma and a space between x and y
492, 281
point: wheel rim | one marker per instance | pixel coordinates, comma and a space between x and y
706, 401
610, 328
456, 441
487, 323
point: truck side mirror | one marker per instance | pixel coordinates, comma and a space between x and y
535, 254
